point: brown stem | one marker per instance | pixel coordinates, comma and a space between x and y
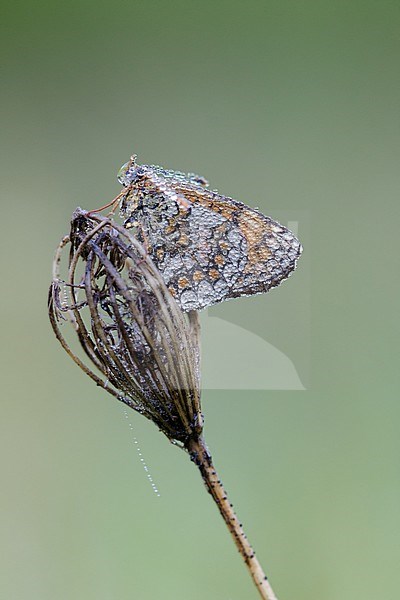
200, 455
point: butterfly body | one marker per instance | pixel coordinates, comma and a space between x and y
208, 247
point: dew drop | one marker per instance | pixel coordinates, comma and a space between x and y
138, 450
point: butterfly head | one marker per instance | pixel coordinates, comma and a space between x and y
130, 172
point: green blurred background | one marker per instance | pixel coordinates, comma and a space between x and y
292, 107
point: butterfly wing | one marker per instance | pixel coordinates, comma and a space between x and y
209, 247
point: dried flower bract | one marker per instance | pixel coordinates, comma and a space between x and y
145, 350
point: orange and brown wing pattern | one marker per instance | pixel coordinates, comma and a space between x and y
208, 247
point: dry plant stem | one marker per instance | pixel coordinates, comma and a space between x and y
201, 457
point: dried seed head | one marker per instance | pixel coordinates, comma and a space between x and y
144, 348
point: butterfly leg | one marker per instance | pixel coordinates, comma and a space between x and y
114, 203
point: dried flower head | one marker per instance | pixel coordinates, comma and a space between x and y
138, 345
145, 350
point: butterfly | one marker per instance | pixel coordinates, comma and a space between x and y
207, 247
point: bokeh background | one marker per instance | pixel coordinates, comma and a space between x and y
289, 106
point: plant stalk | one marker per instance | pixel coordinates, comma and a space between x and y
200, 455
